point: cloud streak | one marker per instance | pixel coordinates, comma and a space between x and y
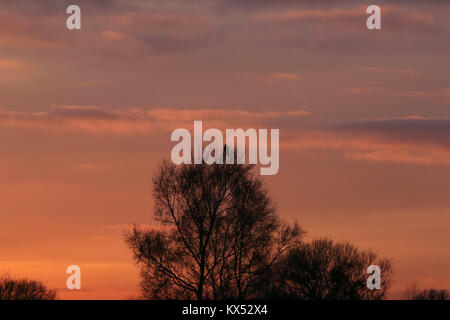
394, 18
98, 120
412, 140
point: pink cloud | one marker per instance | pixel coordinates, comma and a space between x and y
14, 70
97, 120
413, 139
277, 77
112, 35
396, 17
389, 70
367, 90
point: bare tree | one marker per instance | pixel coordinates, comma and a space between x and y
220, 234
324, 270
24, 289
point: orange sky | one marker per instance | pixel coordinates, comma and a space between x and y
85, 117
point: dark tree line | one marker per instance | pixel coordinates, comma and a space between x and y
415, 293
221, 238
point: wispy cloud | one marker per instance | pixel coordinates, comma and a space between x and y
280, 76
98, 120
411, 139
395, 17
112, 35
14, 70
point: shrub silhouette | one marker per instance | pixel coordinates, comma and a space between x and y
324, 270
24, 289
414, 293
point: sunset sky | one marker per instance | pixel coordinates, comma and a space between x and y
86, 116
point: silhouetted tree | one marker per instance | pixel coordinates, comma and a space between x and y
414, 293
24, 289
220, 234
324, 270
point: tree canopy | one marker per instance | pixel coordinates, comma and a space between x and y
220, 234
